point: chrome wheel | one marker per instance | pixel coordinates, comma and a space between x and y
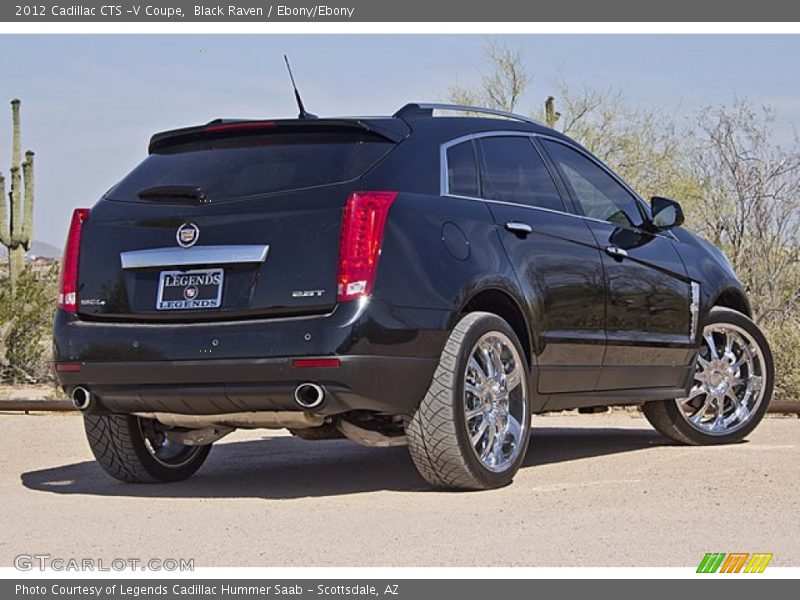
166, 453
496, 401
728, 381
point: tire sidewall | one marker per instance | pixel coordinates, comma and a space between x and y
489, 479
726, 315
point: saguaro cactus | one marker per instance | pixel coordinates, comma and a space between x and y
550, 114
16, 220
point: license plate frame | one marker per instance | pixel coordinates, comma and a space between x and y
177, 285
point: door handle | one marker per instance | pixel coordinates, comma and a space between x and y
616, 252
522, 229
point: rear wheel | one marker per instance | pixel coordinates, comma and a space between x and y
732, 385
137, 450
471, 430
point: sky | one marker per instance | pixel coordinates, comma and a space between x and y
90, 103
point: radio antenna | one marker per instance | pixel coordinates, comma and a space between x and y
303, 113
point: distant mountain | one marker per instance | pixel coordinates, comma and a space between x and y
42, 249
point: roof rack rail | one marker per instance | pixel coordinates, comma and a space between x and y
425, 109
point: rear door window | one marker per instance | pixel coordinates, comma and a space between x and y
513, 171
243, 166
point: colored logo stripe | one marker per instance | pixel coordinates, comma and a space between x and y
711, 562
734, 562
758, 562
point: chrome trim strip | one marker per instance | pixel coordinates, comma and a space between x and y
528, 206
694, 309
196, 255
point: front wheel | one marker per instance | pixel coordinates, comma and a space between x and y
732, 386
137, 450
472, 427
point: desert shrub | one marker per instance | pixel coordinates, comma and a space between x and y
784, 339
26, 321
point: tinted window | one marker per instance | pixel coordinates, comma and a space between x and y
597, 194
462, 171
246, 165
513, 171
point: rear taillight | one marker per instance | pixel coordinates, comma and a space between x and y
360, 242
68, 290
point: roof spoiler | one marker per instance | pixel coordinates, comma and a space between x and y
393, 130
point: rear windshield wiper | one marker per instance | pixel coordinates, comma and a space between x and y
174, 192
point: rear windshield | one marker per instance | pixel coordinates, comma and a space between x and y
252, 165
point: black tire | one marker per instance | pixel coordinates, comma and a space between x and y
118, 444
437, 432
667, 417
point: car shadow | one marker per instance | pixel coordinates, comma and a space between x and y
550, 445
287, 467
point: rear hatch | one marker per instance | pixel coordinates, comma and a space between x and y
228, 221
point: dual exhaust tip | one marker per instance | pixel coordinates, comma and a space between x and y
81, 398
307, 395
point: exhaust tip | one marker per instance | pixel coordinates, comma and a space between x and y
309, 395
81, 398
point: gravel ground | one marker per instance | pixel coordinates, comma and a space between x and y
600, 490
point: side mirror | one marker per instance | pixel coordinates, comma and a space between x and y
667, 213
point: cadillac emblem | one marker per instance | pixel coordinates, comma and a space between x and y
187, 235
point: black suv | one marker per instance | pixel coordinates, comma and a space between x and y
416, 279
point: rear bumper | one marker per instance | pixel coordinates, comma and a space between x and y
387, 359
206, 387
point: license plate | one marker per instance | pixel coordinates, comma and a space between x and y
186, 290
